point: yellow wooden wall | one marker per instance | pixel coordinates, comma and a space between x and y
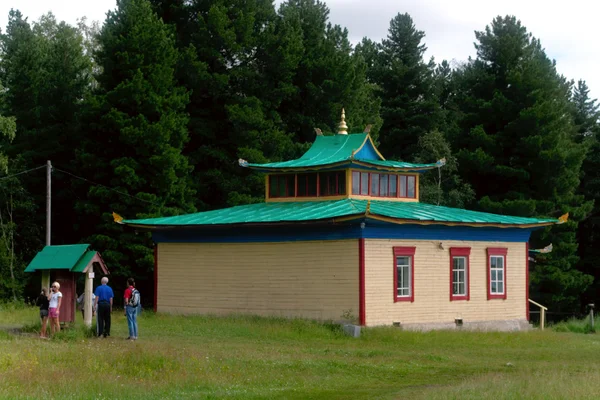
317, 279
432, 284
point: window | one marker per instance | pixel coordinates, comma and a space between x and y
282, 185
360, 183
411, 187
355, 182
402, 185
404, 274
381, 185
496, 273
307, 185
459, 273
332, 183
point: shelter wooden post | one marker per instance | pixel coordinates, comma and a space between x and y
46, 280
87, 311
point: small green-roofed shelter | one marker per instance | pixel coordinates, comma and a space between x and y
63, 262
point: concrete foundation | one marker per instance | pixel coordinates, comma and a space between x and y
512, 325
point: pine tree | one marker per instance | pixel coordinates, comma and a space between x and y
585, 115
518, 149
136, 130
47, 75
329, 76
236, 62
407, 89
586, 112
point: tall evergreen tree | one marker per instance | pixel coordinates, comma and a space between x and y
236, 61
136, 130
47, 75
586, 112
518, 149
585, 115
329, 76
406, 86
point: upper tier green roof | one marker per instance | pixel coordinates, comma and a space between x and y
340, 151
391, 211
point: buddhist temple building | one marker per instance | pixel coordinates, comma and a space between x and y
342, 235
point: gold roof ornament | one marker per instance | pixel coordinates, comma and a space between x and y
342, 127
318, 132
563, 218
117, 218
368, 128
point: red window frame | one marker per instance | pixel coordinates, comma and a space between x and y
391, 178
460, 252
306, 184
291, 190
493, 251
327, 178
288, 190
404, 252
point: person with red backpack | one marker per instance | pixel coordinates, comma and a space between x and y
132, 301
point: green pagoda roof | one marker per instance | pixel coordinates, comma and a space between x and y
341, 151
337, 211
73, 257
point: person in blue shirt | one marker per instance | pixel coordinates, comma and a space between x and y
103, 305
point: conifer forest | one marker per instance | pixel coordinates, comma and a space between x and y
146, 114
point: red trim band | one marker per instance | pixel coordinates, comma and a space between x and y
361, 282
527, 280
155, 276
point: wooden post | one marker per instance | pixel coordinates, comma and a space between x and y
542, 317
87, 310
48, 201
46, 273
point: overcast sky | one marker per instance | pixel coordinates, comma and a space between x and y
567, 29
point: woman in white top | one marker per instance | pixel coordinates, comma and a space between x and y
55, 299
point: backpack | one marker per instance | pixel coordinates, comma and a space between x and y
134, 300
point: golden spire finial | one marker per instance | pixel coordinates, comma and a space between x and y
342, 127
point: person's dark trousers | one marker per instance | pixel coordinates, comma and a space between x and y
103, 314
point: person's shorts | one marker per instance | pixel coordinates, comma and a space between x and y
43, 313
53, 312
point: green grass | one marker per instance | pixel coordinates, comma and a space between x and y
239, 357
575, 325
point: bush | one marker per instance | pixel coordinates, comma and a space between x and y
575, 325
11, 305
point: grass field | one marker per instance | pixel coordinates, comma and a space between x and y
262, 358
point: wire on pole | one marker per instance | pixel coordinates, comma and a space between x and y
22, 172
104, 186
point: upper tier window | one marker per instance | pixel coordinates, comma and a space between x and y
313, 184
383, 185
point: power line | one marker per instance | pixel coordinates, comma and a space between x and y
22, 172
106, 187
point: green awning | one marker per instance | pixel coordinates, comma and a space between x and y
74, 258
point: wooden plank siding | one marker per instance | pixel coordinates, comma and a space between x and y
311, 279
432, 284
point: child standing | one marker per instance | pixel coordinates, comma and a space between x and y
43, 302
54, 307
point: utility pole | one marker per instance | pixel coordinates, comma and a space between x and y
46, 273
48, 201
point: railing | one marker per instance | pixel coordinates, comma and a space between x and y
542, 313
